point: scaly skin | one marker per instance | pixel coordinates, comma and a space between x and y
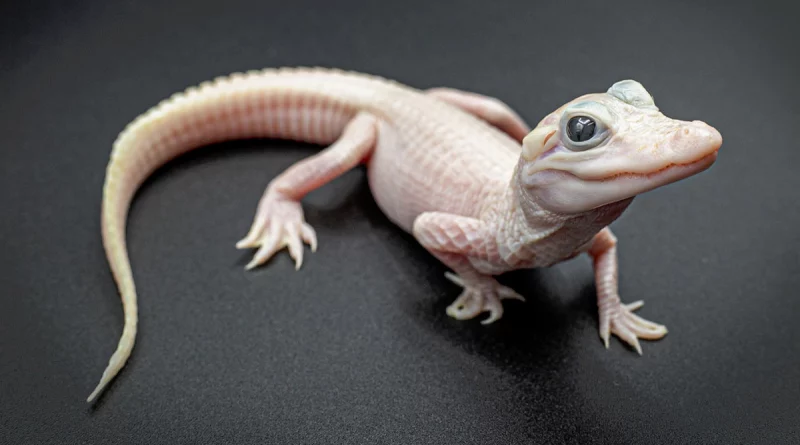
477, 188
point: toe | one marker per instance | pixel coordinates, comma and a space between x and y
605, 329
644, 328
495, 309
266, 251
651, 331
628, 337
454, 278
309, 236
465, 307
493, 316
256, 230
635, 305
292, 240
506, 293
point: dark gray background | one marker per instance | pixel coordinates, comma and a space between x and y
356, 348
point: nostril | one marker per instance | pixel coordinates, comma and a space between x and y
696, 135
702, 130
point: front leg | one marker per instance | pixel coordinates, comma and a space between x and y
615, 317
453, 239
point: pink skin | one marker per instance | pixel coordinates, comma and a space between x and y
615, 317
461, 171
489, 109
644, 150
279, 219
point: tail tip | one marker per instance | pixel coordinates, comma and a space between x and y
96, 392
104, 381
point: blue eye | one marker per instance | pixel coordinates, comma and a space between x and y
581, 128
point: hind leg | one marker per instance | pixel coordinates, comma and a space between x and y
279, 220
490, 109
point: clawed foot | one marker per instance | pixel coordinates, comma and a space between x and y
619, 319
279, 223
475, 300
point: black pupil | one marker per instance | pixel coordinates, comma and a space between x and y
580, 128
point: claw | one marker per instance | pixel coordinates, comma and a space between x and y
266, 251
292, 240
251, 240
454, 278
495, 313
309, 236
605, 335
492, 318
629, 337
475, 300
605, 329
646, 325
620, 320
279, 223
506, 293
635, 305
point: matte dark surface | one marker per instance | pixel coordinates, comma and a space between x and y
356, 348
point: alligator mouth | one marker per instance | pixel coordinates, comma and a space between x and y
671, 172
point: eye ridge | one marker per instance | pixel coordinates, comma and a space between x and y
581, 128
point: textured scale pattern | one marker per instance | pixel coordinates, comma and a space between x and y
460, 171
